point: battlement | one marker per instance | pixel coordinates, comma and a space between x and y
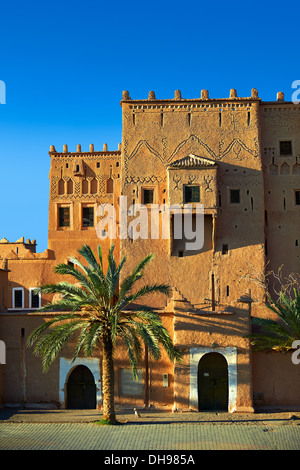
80, 153
20, 250
204, 97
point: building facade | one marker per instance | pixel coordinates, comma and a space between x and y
240, 158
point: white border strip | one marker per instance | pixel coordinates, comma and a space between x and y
230, 355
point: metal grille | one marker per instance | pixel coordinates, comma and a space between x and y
285, 147
64, 217
88, 216
192, 194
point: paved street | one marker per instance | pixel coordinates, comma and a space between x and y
40, 430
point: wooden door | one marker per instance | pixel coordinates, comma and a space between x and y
81, 389
212, 382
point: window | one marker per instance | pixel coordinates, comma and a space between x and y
110, 185
191, 193
224, 249
234, 196
34, 298
18, 297
130, 386
148, 196
88, 217
297, 197
64, 217
285, 147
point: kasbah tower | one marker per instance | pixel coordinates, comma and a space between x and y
240, 158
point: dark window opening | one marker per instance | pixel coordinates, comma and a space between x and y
180, 254
18, 298
148, 196
213, 301
285, 147
87, 216
191, 194
35, 300
297, 198
248, 118
98, 164
234, 196
64, 217
110, 185
224, 249
227, 291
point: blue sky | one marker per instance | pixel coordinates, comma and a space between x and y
65, 65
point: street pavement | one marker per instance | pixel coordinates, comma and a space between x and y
153, 431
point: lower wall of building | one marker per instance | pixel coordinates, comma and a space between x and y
24, 382
276, 380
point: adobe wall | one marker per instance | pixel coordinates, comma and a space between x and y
158, 132
280, 122
81, 179
276, 380
25, 382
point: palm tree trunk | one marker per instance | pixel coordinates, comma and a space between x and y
108, 381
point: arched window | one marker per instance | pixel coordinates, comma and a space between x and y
70, 187
110, 185
61, 187
85, 187
94, 186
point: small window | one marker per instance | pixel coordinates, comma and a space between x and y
234, 196
18, 297
191, 194
148, 196
34, 298
64, 217
130, 386
224, 249
98, 164
297, 197
88, 217
110, 185
285, 147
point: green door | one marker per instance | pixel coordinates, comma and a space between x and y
212, 382
81, 389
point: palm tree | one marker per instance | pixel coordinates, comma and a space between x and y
99, 309
279, 335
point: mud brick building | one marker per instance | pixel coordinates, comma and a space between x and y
240, 158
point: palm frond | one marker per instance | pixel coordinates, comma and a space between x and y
278, 334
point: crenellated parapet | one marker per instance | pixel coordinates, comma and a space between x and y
20, 250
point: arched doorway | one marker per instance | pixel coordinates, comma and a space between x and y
81, 389
212, 382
